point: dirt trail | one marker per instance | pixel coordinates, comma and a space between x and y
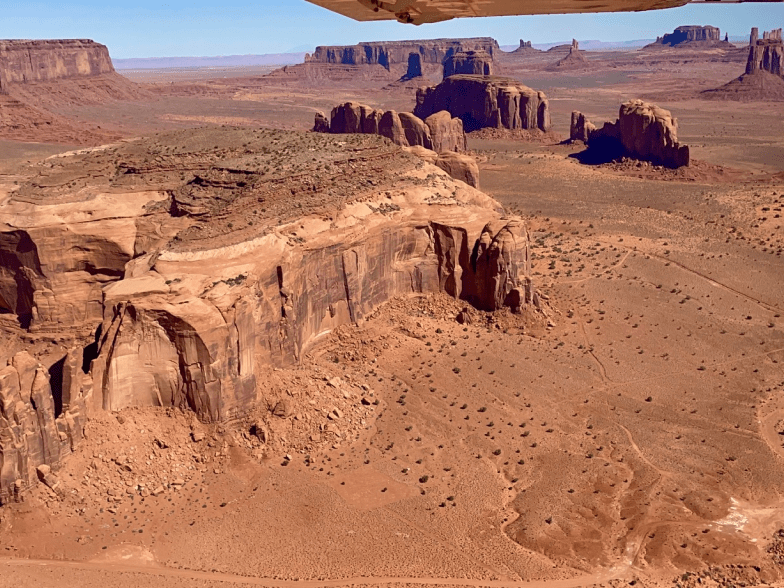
586, 580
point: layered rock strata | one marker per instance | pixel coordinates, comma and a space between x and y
229, 264
439, 132
469, 62
388, 53
486, 101
643, 131
766, 54
43, 61
41, 420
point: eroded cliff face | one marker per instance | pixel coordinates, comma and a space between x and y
486, 101
643, 131
43, 61
690, 34
766, 54
391, 52
201, 271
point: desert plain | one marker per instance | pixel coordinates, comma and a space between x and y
627, 429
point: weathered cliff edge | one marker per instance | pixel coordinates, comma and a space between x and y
195, 302
643, 131
486, 101
387, 53
691, 36
44, 61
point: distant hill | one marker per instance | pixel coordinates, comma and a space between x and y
590, 45
217, 61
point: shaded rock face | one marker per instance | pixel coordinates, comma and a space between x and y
321, 123
766, 54
439, 132
690, 34
486, 101
392, 52
643, 131
41, 61
41, 421
414, 66
469, 62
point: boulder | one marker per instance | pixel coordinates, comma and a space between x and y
469, 62
446, 133
346, 118
486, 101
389, 126
460, 166
415, 130
321, 123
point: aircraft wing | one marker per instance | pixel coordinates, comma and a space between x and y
424, 11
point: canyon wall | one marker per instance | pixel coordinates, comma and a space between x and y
486, 101
42, 61
387, 53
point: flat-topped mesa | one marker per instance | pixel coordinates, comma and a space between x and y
469, 62
643, 131
388, 53
690, 34
486, 102
766, 54
42, 61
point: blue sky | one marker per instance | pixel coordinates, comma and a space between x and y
147, 28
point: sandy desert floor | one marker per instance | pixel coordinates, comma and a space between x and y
633, 435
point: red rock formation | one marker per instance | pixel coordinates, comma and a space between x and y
469, 62
642, 131
414, 67
690, 34
459, 166
573, 60
42, 61
387, 53
486, 101
439, 132
38, 426
766, 54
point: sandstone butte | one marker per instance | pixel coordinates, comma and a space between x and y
393, 52
194, 285
690, 34
486, 101
643, 131
42, 61
469, 62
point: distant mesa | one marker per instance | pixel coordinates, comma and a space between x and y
486, 102
388, 53
764, 75
469, 62
575, 59
643, 131
44, 61
691, 36
526, 47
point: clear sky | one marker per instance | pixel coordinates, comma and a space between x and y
149, 28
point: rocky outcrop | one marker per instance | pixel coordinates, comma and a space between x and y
321, 123
526, 47
766, 54
41, 420
414, 67
388, 53
469, 62
439, 132
486, 101
459, 166
213, 289
643, 131
574, 59
43, 61
690, 34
